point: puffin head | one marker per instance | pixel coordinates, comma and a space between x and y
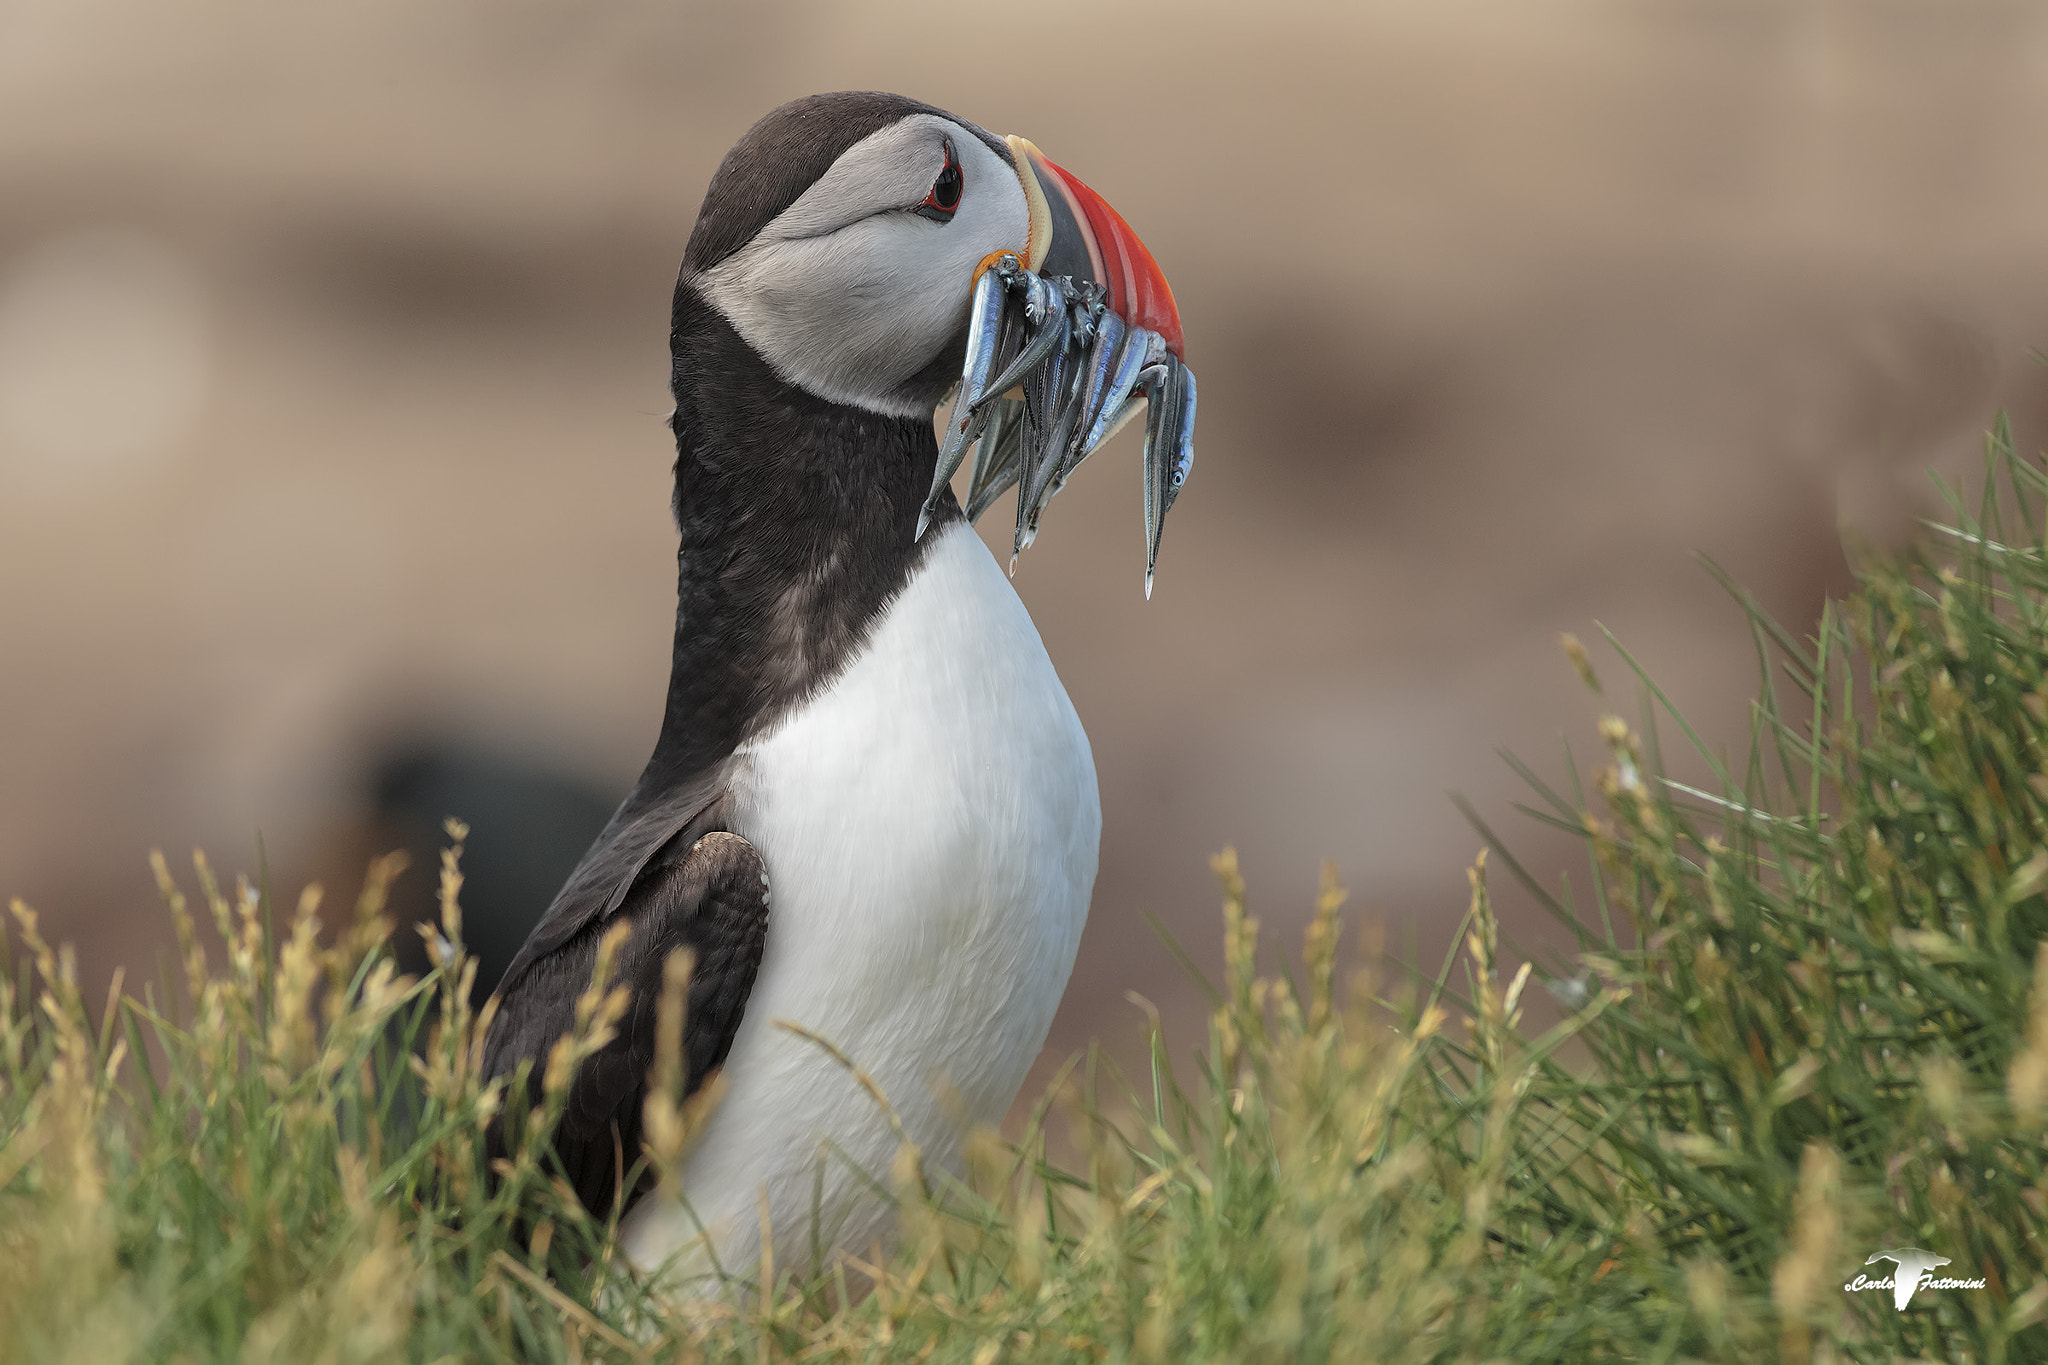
877, 252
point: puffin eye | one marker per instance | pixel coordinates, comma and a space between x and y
943, 199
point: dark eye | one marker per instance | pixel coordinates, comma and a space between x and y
944, 198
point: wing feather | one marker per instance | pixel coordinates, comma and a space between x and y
712, 899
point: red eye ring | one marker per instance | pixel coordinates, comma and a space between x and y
942, 201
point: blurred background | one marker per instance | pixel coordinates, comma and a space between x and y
334, 479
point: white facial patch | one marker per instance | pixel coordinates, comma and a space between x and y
847, 293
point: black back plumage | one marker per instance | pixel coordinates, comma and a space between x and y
797, 520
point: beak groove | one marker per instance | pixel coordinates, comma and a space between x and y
1056, 364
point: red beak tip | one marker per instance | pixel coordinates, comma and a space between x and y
1138, 290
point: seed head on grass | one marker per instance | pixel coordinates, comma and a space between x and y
1811, 1019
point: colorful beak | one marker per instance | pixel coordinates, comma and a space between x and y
1084, 238
1066, 339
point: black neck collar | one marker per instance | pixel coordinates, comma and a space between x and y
797, 518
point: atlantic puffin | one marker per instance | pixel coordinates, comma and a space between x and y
871, 810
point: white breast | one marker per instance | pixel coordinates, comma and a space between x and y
930, 825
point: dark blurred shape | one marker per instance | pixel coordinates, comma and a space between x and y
528, 824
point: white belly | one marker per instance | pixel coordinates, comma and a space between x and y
930, 825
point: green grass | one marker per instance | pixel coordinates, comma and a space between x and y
1811, 1020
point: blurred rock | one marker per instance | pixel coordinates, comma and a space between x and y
528, 824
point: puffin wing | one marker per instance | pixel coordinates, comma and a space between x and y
644, 831
712, 900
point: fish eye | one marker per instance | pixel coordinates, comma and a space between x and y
943, 199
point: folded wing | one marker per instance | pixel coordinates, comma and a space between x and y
712, 899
